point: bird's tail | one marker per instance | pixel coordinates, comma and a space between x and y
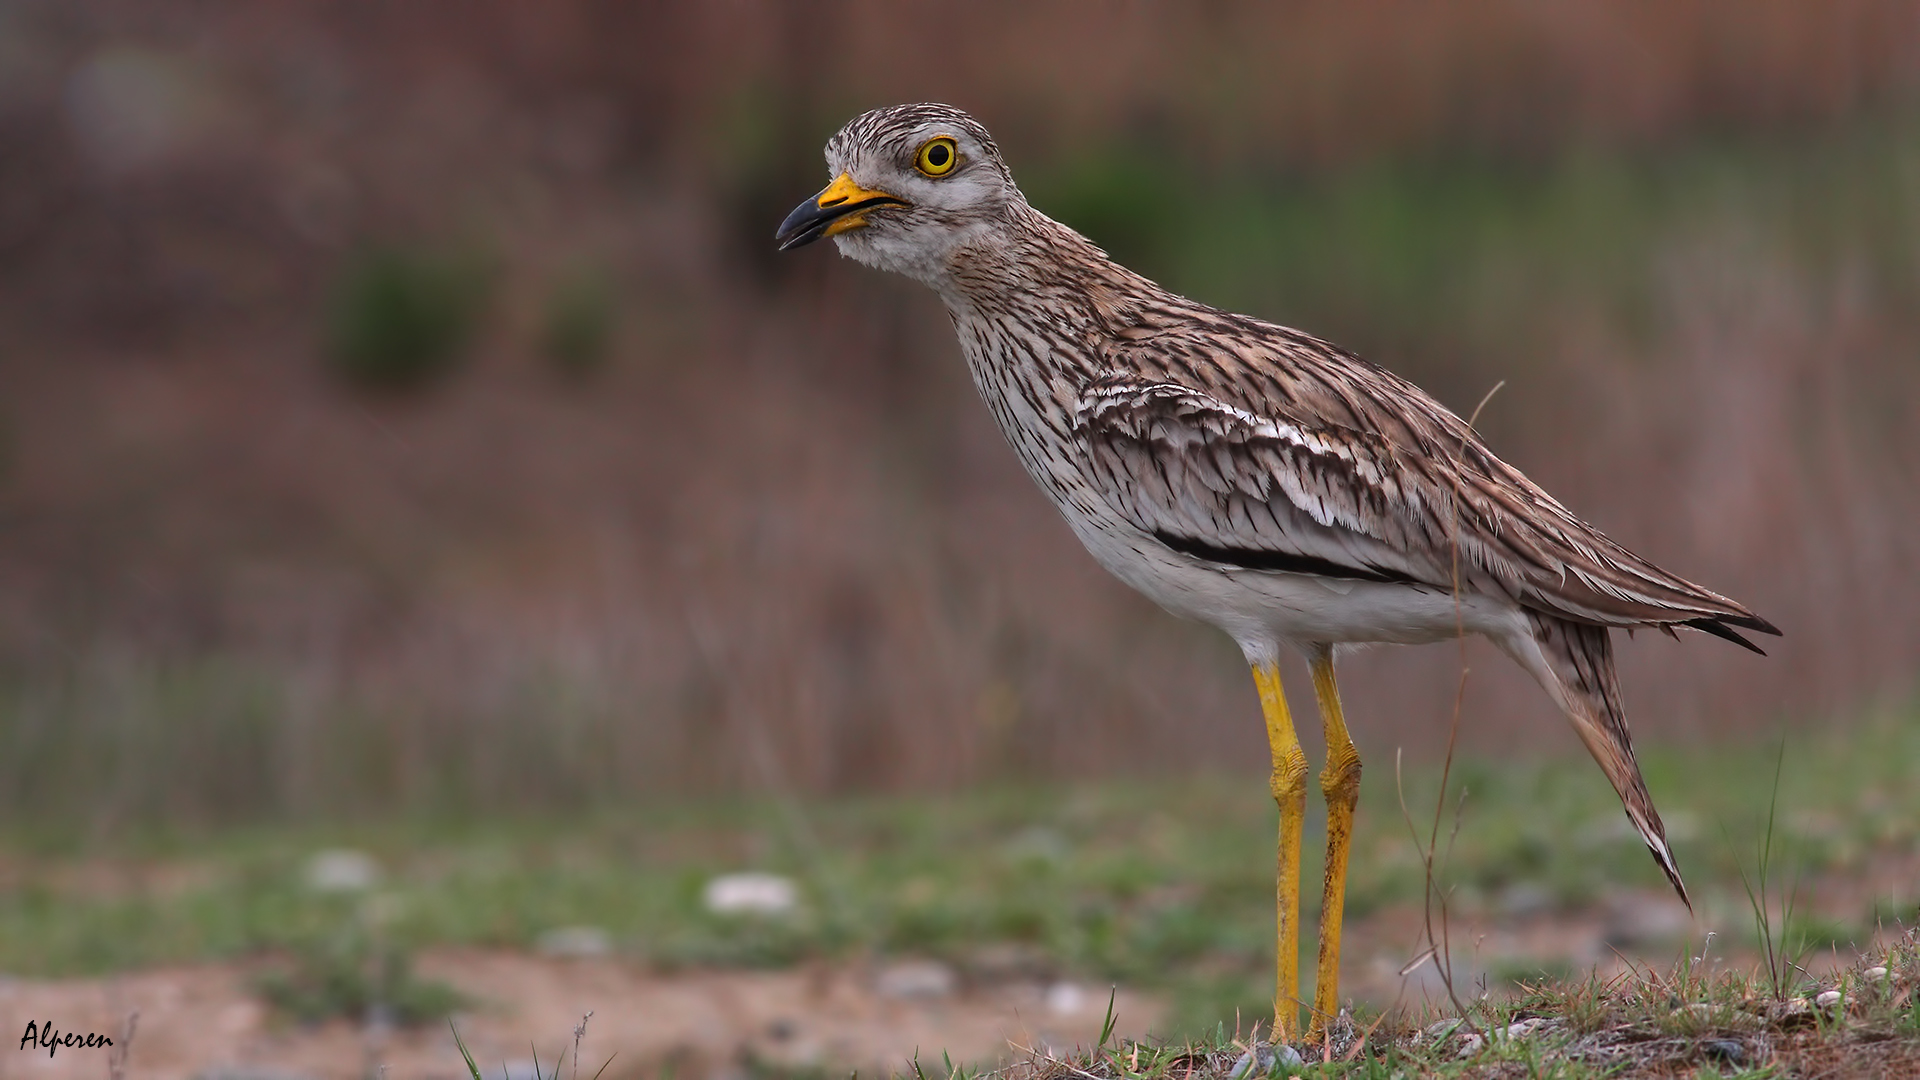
1574, 661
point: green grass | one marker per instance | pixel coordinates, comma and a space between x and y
1163, 884
1650, 1023
354, 976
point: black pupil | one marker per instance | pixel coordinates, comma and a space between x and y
937, 155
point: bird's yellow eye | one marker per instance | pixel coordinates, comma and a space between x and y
938, 157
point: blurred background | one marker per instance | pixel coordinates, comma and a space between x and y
433, 518
402, 407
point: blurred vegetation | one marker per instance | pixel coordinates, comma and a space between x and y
1473, 260
351, 974
1164, 884
786, 532
576, 328
402, 319
1415, 254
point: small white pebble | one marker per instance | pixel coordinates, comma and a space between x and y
1875, 974
1828, 1000
1520, 1029
1065, 999
750, 894
1470, 1045
342, 870
1261, 1059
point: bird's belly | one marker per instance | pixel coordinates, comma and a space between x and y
1261, 607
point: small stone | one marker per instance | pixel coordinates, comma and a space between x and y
909, 979
1065, 999
1726, 1051
1470, 1045
341, 870
1792, 1009
1875, 974
1520, 1029
1707, 1013
750, 893
575, 942
1265, 1059
1828, 999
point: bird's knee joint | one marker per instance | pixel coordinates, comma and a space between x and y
1341, 780
1289, 777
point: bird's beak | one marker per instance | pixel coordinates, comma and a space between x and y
841, 207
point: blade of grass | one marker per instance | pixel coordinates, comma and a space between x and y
472, 1069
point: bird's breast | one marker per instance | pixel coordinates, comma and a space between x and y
1029, 375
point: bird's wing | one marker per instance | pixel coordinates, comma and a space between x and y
1219, 482
1277, 489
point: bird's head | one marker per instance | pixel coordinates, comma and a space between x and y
912, 184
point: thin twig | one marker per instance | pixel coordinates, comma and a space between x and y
117, 1057
1353, 1052
1442, 944
579, 1033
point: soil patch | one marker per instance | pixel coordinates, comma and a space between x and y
204, 1021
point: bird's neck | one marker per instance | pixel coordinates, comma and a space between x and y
1032, 304
1041, 276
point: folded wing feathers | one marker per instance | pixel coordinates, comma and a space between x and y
1179, 461
1182, 462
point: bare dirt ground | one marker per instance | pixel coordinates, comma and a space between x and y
204, 1021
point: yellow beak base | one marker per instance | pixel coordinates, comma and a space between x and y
841, 207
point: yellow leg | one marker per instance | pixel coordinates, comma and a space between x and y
1340, 782
1289, 785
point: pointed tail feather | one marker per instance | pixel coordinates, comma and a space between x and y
1574, 661
1722, 630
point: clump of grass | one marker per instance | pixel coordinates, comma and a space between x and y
579, 1034
402, 319
355, 975
1646, 1023
576, 329
1781, 956
328, 985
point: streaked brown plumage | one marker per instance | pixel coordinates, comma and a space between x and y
1246, 474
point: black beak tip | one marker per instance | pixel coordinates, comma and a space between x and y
809, 220
802, 227
788, 243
